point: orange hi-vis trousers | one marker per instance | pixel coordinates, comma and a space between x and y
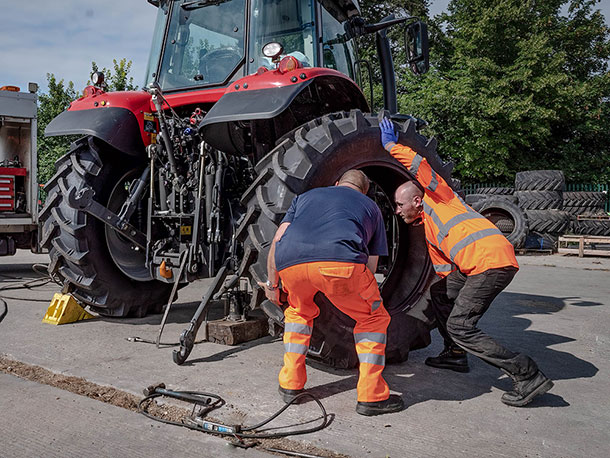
352, 288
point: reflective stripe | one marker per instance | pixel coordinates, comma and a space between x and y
433, 181
376, 337
415, 164
290, 347
375, 305
371, 358
443, 267
298, 327
457, 219
432, 214
471, 239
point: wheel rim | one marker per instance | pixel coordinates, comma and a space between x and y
405, 242
502, 219
128, 257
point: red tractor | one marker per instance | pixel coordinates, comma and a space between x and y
247, 103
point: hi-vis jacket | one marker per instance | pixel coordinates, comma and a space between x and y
457, 236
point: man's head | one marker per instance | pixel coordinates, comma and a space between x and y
354, 179
409, 201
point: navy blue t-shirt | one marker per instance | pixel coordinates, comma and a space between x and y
336, 223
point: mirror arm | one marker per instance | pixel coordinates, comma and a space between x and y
356, 26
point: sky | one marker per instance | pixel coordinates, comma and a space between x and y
63, 37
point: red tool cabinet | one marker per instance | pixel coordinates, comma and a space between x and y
7, 186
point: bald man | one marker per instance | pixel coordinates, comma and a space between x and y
330, 241
475, 261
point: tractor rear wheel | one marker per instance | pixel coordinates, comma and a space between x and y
101, 268
317, 155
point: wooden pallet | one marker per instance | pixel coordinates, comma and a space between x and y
583, 241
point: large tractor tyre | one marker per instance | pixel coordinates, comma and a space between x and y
100, 267
591, 227
496, 191
592, 199
540, 180
317, 155
472, 199
507, 217
548, 221
540, 200
584, 211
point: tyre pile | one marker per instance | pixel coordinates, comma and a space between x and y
538, 209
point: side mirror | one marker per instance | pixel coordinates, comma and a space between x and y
416, 44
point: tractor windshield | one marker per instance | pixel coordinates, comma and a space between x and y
290, 23
204, 45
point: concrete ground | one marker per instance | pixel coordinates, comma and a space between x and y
557, 310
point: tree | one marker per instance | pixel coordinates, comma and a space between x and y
50, 105
57, 100
119, 79
516, 86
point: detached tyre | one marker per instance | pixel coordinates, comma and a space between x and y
540, 200
548, 221
319, 153
540, 180
507, 217
591, 227
102, 269
496, 191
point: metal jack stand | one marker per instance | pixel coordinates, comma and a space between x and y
187, 338
172, 296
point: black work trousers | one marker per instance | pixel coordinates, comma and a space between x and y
459, 301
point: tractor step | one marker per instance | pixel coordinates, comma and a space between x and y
235, 332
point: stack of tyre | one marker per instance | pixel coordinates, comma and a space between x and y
540, 194
499, 205
585, 207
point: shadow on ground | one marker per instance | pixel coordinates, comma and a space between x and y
419, 383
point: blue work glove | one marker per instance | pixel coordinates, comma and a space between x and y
387, 132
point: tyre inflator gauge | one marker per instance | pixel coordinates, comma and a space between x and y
212, 427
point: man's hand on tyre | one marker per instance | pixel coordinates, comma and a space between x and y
388, 136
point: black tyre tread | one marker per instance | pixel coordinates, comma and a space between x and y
575, 211
306, 160
471, 199
497, 205
540, 180
548, 221
585, 227
540, 200
76, 241
594, 199
497, 190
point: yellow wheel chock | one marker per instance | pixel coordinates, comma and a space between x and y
64, 309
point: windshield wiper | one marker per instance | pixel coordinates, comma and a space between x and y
189, 6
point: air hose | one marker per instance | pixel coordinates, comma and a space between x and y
209, 402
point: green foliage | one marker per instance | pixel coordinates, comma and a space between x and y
57, 100
51, 105
518, 86
514, 85
117, 79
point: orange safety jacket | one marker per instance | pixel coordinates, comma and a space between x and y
456, 235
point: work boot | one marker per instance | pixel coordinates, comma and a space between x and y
392, 404
453, 358
526, 390
289, 395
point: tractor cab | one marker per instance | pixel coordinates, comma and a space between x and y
209, 43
